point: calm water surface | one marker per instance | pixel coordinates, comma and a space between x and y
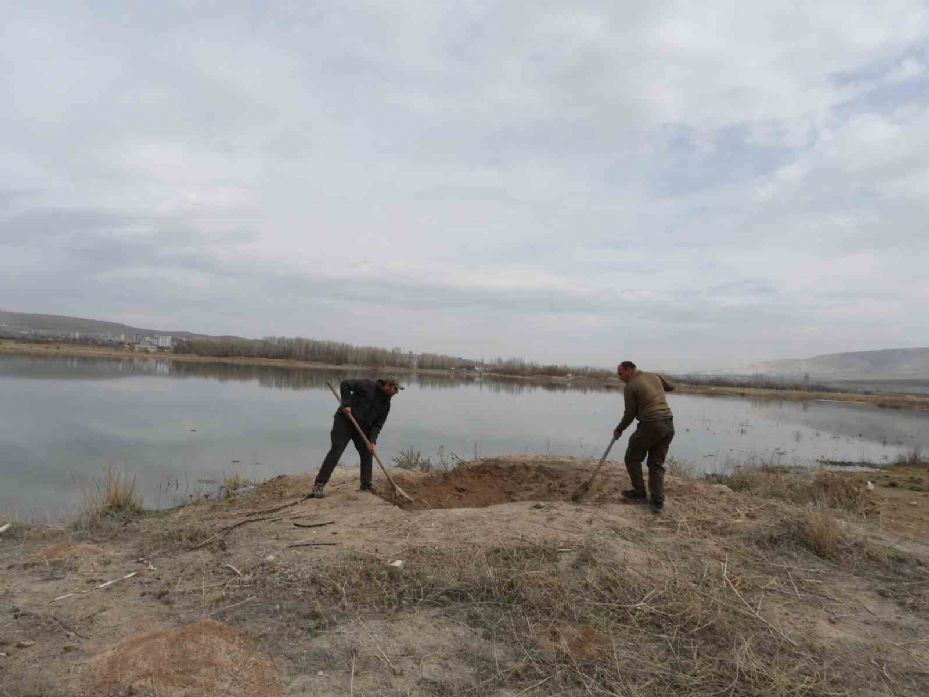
179, 428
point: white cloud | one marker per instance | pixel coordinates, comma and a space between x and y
908, 69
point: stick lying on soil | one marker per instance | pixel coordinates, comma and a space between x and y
223, 531
394, 669
95, 588
313, 525
281, 507
229, 607
313, 544
243, 522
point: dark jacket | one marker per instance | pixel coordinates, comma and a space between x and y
644, 398
369, 404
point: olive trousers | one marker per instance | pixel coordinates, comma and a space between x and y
651, 440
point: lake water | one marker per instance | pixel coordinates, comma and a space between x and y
179, 428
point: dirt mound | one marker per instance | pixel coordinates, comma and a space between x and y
205, 658
491, 482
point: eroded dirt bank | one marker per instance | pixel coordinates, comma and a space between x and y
492, 583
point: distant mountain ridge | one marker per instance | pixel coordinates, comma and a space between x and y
884, 364
13, 323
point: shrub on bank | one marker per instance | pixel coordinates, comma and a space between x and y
113, 496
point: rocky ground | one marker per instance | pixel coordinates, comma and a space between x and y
491, 583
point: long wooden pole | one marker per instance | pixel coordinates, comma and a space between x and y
400, 492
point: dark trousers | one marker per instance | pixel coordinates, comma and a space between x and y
342, 433
651, 439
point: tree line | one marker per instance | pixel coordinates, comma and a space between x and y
294, 348
340, 353
523, 368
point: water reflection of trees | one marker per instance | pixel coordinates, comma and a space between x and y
79, 367
278, 377
502, 385
282, 377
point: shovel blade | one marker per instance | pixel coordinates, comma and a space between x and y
580, 492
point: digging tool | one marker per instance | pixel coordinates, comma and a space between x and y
582, 490
400, 492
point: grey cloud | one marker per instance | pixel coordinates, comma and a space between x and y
41, 225
750, 288
441, 297
10, 197
555, 178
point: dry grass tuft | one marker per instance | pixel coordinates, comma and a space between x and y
820, 532
802, 487
897, 572
232, 483
113, 497
815, 529
681, 468
664, 625
411, 459
179, 536
913, 458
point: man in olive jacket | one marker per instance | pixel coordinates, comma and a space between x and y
369, 402
644, 396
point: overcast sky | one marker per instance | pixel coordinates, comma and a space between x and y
689, 185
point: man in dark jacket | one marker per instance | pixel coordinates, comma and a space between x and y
644, 397
369, 402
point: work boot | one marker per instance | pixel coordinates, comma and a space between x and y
637, 493
317, 492
365, 487
656, 483
656, 506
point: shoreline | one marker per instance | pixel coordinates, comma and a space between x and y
883, 400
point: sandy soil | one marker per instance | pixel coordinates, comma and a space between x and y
492, 583
902, 493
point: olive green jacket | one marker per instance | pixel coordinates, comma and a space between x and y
644, 395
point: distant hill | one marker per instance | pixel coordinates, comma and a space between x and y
17, 323
885, 364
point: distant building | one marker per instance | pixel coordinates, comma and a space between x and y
164, 342
145, 342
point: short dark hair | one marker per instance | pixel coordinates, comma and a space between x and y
629, 365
